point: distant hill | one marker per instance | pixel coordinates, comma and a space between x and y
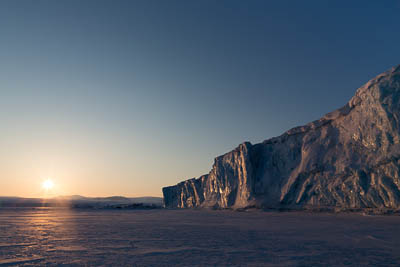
79, 201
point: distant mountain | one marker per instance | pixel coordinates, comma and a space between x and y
350, 158
73, 197
78, 201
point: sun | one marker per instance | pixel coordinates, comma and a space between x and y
48, 184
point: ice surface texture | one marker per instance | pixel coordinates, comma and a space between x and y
70, 237
350, 158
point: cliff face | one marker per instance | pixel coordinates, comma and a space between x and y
349, 158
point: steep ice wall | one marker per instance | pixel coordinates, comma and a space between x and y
348, 158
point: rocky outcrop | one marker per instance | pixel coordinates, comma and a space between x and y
349, 158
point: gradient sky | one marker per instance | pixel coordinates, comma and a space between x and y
125, 97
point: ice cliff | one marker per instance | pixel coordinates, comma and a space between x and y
349, 158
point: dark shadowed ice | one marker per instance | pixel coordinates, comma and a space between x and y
195, 238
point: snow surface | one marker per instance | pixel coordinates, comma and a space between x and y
55, 236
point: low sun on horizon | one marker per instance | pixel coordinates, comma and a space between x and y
48, 184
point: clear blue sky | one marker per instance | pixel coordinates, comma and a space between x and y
124, 97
